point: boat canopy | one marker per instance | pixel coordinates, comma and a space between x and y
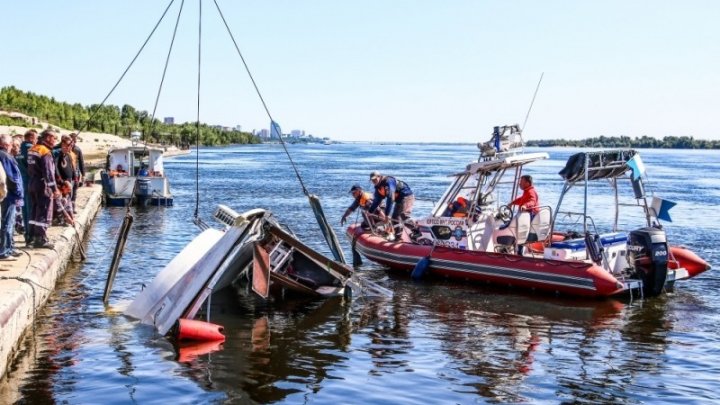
490, 166
605, 164
132, 158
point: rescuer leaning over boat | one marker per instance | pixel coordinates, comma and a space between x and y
398, 198
363, 200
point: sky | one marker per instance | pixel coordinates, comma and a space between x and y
400, 70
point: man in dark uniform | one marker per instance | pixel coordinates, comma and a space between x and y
398, 197
29, 142
41, 169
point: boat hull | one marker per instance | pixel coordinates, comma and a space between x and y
121, 201
572, 278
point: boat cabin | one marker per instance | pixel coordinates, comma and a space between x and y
136, 173
135, 161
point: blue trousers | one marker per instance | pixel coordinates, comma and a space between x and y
7, 229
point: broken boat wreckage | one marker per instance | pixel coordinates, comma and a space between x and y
254, 248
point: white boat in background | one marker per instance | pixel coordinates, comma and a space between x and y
136, 164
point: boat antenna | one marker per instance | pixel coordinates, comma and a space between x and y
532, 102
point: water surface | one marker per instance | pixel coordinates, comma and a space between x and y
433, 342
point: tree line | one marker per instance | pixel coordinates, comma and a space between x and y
668, 142
121, 121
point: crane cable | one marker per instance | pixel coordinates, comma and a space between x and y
97, 109
196, 217
262, 100
157, 97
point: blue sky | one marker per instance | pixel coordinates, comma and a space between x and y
430, 71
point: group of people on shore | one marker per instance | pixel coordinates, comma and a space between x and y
39, 178
392, 202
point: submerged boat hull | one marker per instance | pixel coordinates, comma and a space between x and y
576, 278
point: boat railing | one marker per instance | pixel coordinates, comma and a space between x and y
594, 242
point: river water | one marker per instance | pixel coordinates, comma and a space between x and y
432, 342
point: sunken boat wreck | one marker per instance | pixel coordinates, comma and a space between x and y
254, 249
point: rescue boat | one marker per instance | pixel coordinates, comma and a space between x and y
567, 251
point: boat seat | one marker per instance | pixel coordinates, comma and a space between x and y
540, 224
521, 227
515, 234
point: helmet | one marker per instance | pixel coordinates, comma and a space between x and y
374, 174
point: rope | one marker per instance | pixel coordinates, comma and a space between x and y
262, 100
157, 97
197, 123
84, 127
32, 285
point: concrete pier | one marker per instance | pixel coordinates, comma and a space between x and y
26, 284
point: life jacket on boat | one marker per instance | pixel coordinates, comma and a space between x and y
459, 208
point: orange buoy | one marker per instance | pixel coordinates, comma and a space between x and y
191, 329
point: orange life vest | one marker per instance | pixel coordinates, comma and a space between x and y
460, 208
364, 199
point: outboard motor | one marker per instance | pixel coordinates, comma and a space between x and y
143, 188
647, 253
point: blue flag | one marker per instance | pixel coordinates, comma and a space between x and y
662, 208
637, 166
275, 132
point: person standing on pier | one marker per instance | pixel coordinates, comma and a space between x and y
65, 176
13, 183
79, 169
41, 169
22, 159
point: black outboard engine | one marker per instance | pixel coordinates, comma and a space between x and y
647, 253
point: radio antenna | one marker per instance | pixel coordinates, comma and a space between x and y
533, 101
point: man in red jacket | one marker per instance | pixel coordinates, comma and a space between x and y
529, 200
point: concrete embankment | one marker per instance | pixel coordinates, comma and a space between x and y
26, 284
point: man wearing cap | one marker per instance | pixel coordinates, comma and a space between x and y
396, 194
361, 199
42, 187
